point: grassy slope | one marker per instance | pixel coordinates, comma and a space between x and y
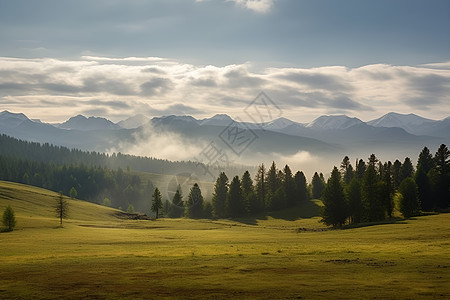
96, 255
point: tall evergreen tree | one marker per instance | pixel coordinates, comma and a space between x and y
177, 207
347, 170
389, 191
317, 186
355, 205
289, 186
248, 192
442, 184
156, 202
425, 191
61, 208
301, 187
360, 169
235, 199
396, 173
194, 204
373, 160
335, 208
425, 162
407, 169
220, 196
261, 186
374, 210
272, 185
409, 202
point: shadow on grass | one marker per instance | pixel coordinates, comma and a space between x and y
305, 210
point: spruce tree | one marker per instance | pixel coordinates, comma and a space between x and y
156, 202
177, 207
442, 184
360, 169
407, 169
355, 205
235, 199
194, 204
317, 186
373, 207
220, 196
248, 193
409, 201
301, 187
335, 207
261, 186
347, 170
425, 161
272, 185
396, 174
289, 186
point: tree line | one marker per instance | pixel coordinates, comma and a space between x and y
271, 189
367, 193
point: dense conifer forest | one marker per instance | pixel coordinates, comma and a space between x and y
364, 193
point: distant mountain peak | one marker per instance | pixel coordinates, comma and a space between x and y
80, 122
134, 121
334, 122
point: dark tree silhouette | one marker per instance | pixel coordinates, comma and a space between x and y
156, 202
317, 186
260, 186
442, 182
355, 205
301, 187
194, 204
235, 199
335, 207
61, 208
409, 202
176, 209
347, 170
220, 196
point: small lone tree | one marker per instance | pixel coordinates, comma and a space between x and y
61, 208
156, 202
9, 219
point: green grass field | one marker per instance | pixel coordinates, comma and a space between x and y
99, 256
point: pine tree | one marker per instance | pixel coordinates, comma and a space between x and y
248, 192
272, 186
61, 208
9, 219
347, 170
220, 195
409, 201
360, 169
235, 199
260, 186
373, 207
301, 187
335, 208
407, 169
177, 207
289, 186
156, 202
396, 174
317, 186
442, 184
355, 205
425, 162
389, 196
194, 205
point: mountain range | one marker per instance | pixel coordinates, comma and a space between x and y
327, 136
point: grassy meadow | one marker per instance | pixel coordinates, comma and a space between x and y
98, 255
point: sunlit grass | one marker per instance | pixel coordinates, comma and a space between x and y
96, 255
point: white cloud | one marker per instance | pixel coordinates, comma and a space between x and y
259, 6
54, 90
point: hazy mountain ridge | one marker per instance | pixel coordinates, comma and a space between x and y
326, 136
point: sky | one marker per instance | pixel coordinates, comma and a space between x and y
116, 59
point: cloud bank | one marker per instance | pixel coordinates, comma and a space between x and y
55, 89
